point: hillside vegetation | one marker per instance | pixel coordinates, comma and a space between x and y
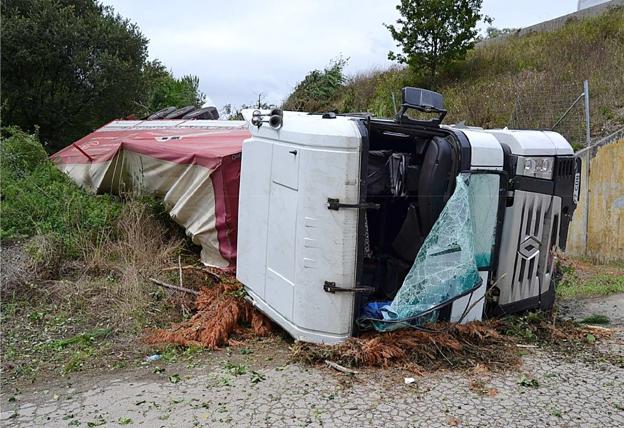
522, 82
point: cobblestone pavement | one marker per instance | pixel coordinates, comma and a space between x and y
546, 391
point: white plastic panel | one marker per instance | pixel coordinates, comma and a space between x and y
289, 242
281, 248
470, 307
486, 151
253, 214
562, 146
529, 143
285, 169
312, 131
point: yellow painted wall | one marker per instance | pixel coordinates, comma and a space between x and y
605, 238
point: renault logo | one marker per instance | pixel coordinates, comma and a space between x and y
529, 248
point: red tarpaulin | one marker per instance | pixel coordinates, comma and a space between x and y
193, 165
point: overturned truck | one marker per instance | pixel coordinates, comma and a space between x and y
338, 223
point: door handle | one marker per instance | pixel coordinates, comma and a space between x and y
293, 152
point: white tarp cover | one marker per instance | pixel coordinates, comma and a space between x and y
194, 166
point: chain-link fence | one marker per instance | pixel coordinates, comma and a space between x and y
562, 108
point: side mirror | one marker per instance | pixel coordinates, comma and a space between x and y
421, 100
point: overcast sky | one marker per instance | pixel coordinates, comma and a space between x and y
240, 48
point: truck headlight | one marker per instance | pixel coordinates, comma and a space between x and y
538, 167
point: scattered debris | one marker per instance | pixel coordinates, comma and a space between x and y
480, 376
453, 421
409, 380
154, 357
453, 345
479, 386
546, 330
340, 368
221, 311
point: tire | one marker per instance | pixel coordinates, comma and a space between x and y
206, 113
161, 113
181, 112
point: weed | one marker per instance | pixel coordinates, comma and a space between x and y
97, 422
174, 378
257, 377
124, 420
140, 249
235, 369
82, 339
556, 413
36, 316
77, 361
596, 319
170, 353
528, 382
224, 381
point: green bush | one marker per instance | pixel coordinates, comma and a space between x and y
319, 89
38, 199
20, 153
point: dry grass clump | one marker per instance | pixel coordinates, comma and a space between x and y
455, 346
221, 312
139, 247
108, 282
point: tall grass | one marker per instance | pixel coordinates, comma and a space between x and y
102, 248
525, 82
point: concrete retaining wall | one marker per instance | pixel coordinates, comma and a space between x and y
557, 23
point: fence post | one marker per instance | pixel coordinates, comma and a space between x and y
587, 123
587, 161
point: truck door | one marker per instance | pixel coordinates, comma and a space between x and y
290, 243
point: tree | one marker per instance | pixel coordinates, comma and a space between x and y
317, 91
433, 33
68, 66
162, 89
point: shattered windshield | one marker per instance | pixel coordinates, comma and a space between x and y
446, 266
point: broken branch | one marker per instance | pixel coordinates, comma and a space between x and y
340, 368
173, 287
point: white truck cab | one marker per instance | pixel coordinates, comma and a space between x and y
334, 210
